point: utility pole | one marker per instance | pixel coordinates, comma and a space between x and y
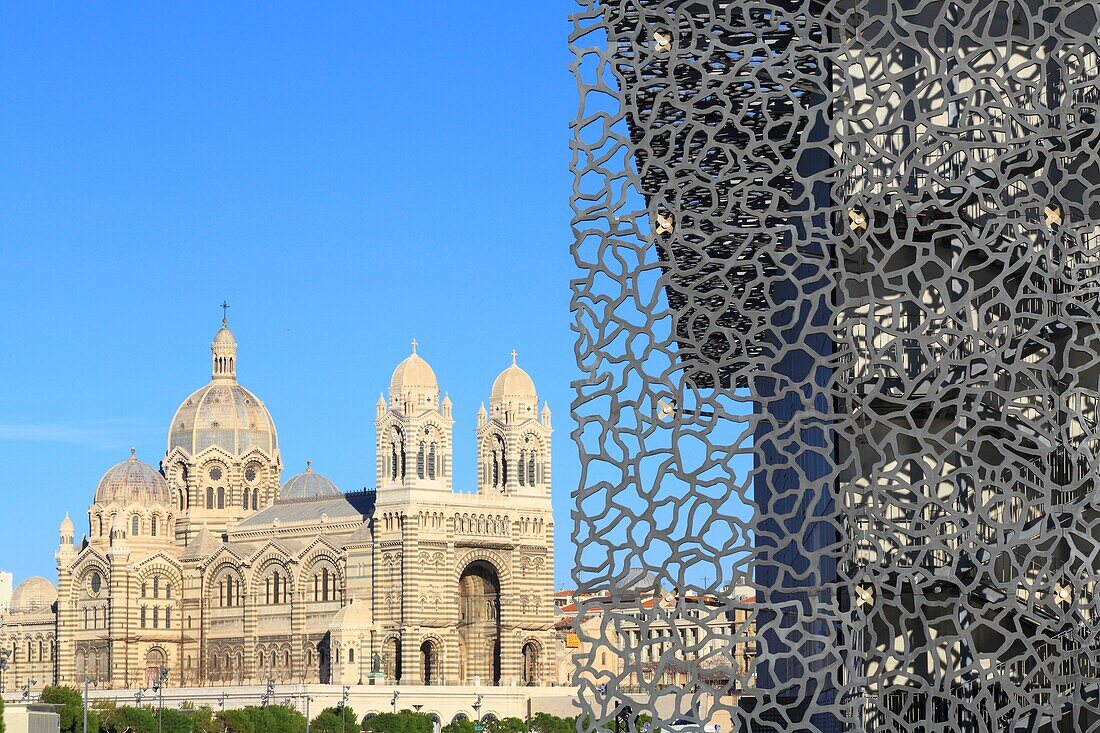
161, 681
87, 682
308, 701
4, 653
343, 707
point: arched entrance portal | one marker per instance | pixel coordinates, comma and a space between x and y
431, 672
155, 660
479, 623
391, 659
530, 663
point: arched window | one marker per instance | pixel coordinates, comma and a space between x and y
420, 460
522, 470
209, 497
498, 463
143, 610
351, 655
135, 525
153, 526
156, 586
100, 520
431, 462
221, 498
530, 469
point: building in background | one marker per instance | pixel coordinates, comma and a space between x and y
5, 591
214, 568
657, 649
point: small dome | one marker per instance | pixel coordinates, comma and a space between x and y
132, 482
224, 337
308, 485
67, 527
352, 616
33, 595
512, 384
413, 377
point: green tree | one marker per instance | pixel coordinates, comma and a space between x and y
329, 721
236, 721
202, 720
405, 721
128, 720
71, 711
176, 721
508, 725
278, 719
547, 723
459, 726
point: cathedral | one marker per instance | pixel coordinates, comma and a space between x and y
214, 568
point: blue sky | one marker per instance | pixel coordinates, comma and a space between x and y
348, 177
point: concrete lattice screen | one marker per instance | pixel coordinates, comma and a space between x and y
838, 317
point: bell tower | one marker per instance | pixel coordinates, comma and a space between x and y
413, 431
513, 438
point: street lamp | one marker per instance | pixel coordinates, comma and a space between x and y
308, 701
477, 711
4, 654
343, 706
158, 687
393, 701
87, 682
267, 696
140, 694
27, 689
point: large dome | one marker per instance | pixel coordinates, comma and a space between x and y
226, 415
132, 482
33, 595
413, 378
308, 485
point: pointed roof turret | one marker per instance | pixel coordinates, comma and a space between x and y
204, 544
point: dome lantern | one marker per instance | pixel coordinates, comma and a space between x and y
223, 353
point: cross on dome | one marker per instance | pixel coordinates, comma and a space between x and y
513, 356
225, 313
414, 345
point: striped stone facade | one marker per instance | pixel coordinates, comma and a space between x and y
212, 568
